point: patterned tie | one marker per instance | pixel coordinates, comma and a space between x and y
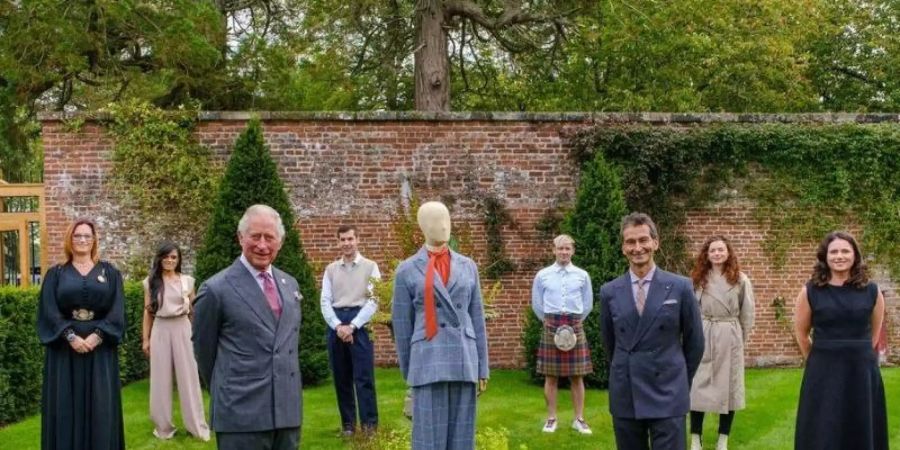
440, 261
641, 297
271, 293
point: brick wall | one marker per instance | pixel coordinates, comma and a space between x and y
353, 168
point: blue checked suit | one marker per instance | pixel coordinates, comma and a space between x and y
456, 357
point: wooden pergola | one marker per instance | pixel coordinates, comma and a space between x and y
21, 222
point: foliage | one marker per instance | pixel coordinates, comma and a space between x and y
22, 359
163, 174
251, 177
496, 217
818, 178
594, 224
401, 439
855, 56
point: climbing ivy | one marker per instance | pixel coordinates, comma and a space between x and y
496, 216
160, 171
805, 179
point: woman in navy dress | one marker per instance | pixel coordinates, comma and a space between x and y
842, 402
81, 320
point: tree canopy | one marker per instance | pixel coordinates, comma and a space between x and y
547, 55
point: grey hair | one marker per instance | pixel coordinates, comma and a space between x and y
637, 219
257, 210
563, 239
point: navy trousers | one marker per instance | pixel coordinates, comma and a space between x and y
650, 434
353, 367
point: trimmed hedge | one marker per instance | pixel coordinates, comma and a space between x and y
22, 358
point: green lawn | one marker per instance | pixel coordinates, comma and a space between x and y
510, 403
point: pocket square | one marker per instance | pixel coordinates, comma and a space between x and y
670, 301
298, 296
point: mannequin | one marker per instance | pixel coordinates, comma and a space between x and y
438, 316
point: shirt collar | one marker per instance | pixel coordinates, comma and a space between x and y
557, 267
356, 260
647, 278
253, 270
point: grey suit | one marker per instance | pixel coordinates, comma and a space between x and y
653, 357
247, 357
444, 371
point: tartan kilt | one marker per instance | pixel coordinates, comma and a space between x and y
554, 362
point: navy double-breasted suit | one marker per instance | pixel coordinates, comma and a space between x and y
653, 356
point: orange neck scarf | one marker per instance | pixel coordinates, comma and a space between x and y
437, 261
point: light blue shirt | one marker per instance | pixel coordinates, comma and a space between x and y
259, 282
561, 289
634, 283
364, 315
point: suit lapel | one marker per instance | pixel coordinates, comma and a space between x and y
625, 304
443, 295
659, 291
248, 291
289, 307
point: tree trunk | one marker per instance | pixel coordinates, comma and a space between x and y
432, 62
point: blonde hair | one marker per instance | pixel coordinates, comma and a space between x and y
562, 240
70, 231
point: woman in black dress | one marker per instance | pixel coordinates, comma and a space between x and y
842, 397
81, 320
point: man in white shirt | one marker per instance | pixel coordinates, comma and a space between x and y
347, 305
561, 297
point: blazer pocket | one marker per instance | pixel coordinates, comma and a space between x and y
419, 335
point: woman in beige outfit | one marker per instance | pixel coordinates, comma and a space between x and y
726, 304
167, 341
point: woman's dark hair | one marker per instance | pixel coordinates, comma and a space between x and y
155, 280
859, 272
731, 269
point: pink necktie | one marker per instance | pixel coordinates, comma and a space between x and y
271, 293
641, 297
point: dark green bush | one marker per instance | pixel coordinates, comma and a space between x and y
22, 358
251, 177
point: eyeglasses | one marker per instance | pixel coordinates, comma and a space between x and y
83, 237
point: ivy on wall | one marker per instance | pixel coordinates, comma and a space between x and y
496, 216
161, 173
806, 179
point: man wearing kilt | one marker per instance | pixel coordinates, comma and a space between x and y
562, 298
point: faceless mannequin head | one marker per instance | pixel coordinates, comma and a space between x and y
434, 221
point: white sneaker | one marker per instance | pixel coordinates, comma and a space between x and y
581, 426
550, 425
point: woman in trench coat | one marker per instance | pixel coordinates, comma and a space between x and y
726, 304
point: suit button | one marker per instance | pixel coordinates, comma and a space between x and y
443, 325
292, 374
657, 373
459, 306
291, 352
621, 330
661, 327
438, 305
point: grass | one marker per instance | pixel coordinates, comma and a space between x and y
510, 403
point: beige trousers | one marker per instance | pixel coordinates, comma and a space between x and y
171, 350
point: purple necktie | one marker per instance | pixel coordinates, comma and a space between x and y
271, 293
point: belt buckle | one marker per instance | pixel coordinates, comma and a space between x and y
82, 314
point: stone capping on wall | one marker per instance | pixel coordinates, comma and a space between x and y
650, 118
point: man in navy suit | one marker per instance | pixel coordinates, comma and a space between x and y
653, 337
